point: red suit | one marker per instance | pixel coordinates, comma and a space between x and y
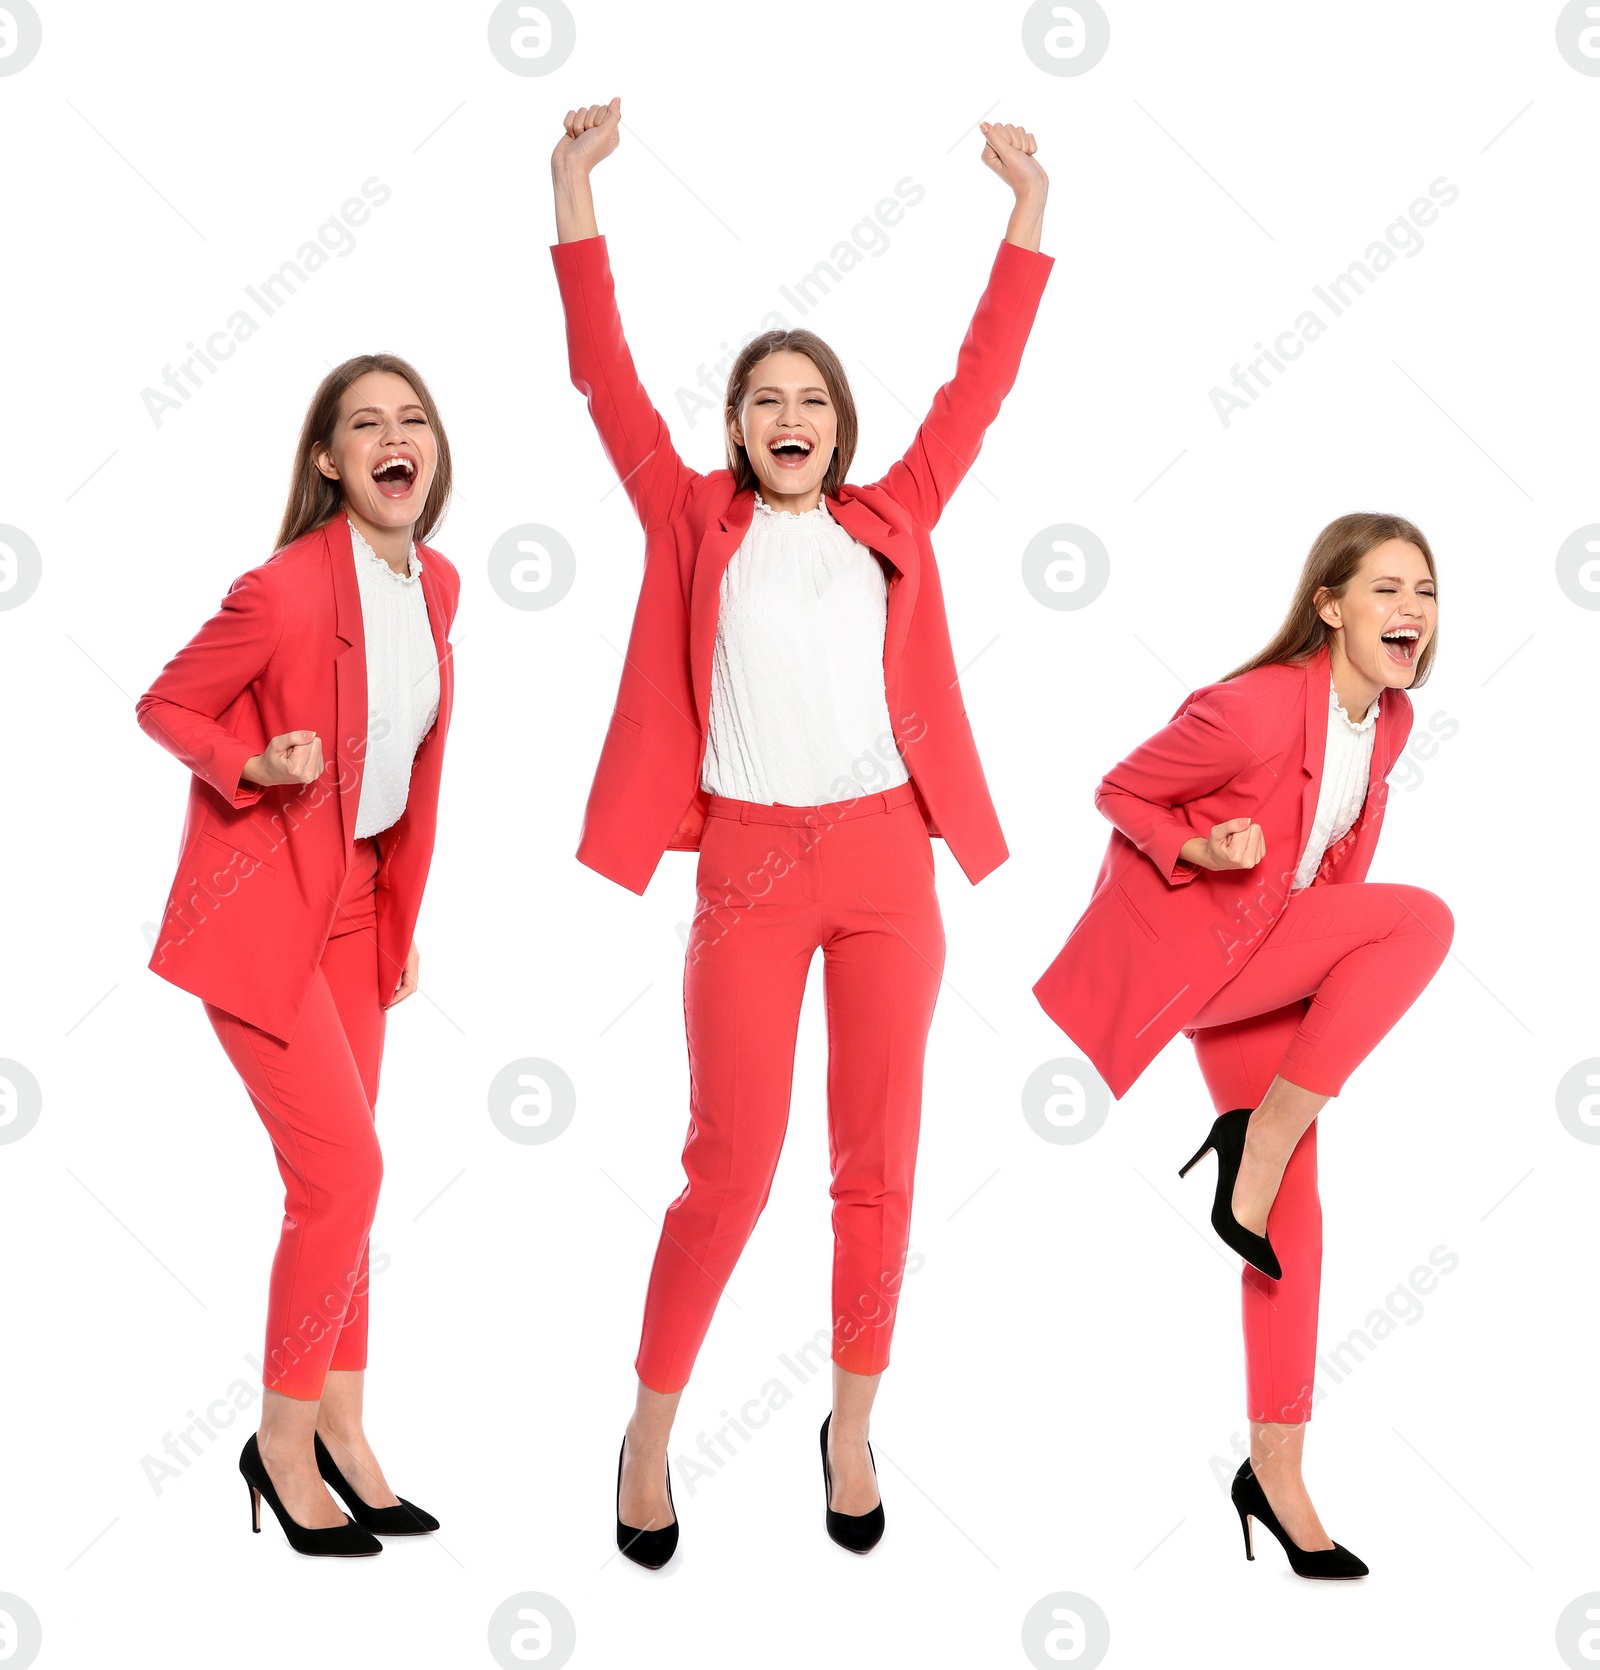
853, 879
1266, 981
292, 931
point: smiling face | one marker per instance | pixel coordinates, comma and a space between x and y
383, 452
1387, 615
788, 426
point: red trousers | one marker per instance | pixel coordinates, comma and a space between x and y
775, 884
1339, 967
315, 1096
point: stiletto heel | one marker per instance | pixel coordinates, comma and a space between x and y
401, 1519
858, 1532
1195, 1158
344, 1540
1226, 1141
651, 1549
1251, 1502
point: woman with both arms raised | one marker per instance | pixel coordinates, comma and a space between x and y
789, 708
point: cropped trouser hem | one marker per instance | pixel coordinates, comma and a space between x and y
1336, 971
774, 885
853, 1360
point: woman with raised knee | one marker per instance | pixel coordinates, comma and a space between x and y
312, 710
789, 708
1232, 906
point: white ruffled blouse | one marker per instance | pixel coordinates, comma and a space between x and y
402, 681
798, 711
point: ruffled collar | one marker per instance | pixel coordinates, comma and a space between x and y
1365, 722
362, 549
817, 513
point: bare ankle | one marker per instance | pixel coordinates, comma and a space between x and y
1279, 1472
279, 1448
646, 1446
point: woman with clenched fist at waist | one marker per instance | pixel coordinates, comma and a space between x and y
789, 709
312, 710
1232, 906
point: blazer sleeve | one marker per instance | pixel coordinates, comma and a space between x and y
180, 709
949, 438
632, 431
1204, 747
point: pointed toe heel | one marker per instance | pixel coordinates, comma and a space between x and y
859, 1532
650, 1549
399, 1519
347, 1541
1226, 1141
1250, 1500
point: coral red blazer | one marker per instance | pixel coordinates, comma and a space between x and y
1161, 935
261, 869
646, 795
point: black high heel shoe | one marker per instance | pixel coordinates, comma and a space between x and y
348, 1539
1226, 1139
1251, 1501
651, 1549
401, 1519
858, 1532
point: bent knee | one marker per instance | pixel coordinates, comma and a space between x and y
1432, 913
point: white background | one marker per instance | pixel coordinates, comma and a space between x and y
1067, 1384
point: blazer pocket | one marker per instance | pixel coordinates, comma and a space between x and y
220, 865
246, 837
627, 726
1138, 920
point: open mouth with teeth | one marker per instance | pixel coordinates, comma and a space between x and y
789, 452
1402, 644
395, 475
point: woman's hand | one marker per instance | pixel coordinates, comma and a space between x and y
294, 757
588, 137
408, 978
1009, 152
1237, 844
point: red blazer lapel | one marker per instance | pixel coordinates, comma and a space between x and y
866, 525
717, 545
1318, 681
350, 673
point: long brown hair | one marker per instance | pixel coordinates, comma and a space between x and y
833, 377
1335, 556
313, 497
